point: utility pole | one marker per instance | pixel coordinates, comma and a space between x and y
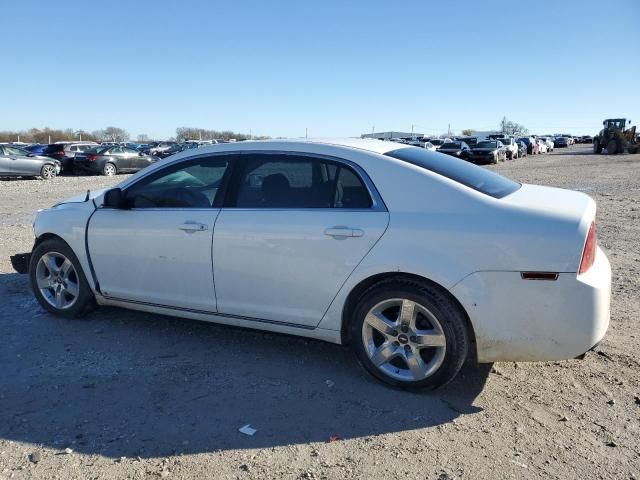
250, 136
306, 133
373, 129
412, 136
449, 130
49, 138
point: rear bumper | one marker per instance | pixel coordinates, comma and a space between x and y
20, 262
533, 320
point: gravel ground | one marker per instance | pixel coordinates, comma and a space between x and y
132, 395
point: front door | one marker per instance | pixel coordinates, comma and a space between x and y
293, 231
162, 239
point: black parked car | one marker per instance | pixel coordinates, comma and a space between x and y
112, 160
561, 142
456, 149
587, 139
488, 151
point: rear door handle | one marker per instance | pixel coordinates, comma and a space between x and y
193, 227
343, 232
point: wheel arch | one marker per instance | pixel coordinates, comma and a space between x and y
357, 291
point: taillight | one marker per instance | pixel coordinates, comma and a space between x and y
92, 158
589, 251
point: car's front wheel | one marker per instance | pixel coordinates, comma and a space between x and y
58, 281
409, 334
48, 171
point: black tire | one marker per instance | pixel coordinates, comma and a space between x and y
597, 148
85, 299
612, 147
109, 169
447, 312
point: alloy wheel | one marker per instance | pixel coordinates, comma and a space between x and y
48, 172
57, 280
403, 339
109, 170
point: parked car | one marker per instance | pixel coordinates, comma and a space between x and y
15, 162
161, 147
587, 139
70, 151
542, 146
530, 142
471, 141
488, 151
112, 160
358, 279
36, 149
561, 142
55, 150
522, 149
511, 148
430, 146
177, 148
548, 141
438, 142
456, 149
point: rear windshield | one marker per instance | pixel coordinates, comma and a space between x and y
451, 146
472, 176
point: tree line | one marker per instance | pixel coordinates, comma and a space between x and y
115, 134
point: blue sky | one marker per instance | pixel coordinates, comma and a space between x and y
337, 68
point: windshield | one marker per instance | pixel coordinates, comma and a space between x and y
437, 142
487, 145
451, 146
472, 176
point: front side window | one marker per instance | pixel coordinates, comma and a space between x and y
192, 184
290, 181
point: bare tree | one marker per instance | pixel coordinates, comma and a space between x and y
512, 128
113, 134
467, 132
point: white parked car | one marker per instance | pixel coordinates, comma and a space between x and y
542, 145
510, 146
430, 146
548, 141
416, 259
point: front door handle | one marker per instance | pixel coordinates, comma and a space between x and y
343, 232
193, 227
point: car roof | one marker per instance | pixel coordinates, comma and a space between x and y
370, 145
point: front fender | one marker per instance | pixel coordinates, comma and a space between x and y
68, 221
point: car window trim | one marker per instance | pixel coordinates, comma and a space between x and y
377, 204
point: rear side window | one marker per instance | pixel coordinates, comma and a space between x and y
472, 176
288, 181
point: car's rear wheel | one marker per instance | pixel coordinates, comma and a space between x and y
409, 334
109, 169
48, 172
58, 281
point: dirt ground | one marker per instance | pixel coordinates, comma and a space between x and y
132, 395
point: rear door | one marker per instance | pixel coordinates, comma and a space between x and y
292, 231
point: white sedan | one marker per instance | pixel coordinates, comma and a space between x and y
542, 146
416, 259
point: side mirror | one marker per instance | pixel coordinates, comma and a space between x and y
114, 198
